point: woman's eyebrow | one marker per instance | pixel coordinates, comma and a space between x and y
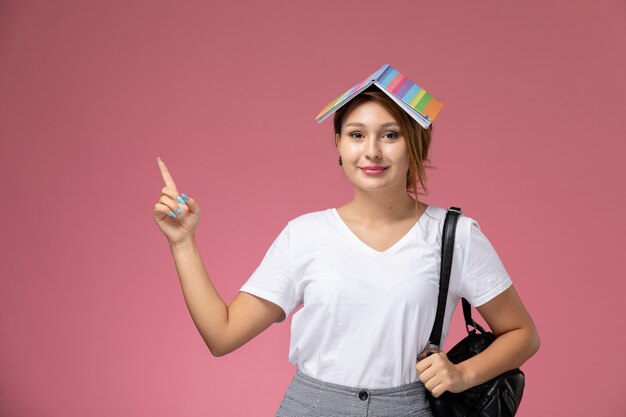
383, 125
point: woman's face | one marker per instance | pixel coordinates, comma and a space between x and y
371, 136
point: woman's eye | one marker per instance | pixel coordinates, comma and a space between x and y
360, 135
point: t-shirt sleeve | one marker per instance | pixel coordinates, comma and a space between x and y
483, 275
273, 279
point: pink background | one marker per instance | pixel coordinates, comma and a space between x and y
92, 317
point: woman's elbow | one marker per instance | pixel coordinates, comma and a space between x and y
534, 341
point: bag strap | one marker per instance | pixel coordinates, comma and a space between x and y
447, 250
469, 321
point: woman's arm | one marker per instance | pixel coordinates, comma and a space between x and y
207, 309
516, 341
223, 328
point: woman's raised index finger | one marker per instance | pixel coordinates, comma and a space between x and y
167, 178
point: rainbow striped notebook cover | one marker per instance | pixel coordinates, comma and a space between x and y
416, 101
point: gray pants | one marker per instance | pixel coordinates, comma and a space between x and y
310, 397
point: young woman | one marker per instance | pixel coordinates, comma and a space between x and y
367, 275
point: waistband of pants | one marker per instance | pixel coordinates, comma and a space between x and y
301, 377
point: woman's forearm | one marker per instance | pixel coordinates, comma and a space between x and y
509, 351
208, 310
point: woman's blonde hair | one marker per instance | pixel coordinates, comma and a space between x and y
417, 138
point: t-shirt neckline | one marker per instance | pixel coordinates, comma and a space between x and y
344, 226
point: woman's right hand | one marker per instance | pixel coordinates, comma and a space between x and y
182, 227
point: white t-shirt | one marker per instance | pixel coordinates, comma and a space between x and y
367, 314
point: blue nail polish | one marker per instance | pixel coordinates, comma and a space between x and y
180, 200
185, 196
179, 211
172, 213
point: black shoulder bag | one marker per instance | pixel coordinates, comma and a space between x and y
499, 397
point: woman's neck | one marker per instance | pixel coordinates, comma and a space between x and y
373, 208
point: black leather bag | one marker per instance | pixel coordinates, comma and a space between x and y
499, 397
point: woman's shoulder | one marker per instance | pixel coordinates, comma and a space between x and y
440, 211
312, 218
436, 216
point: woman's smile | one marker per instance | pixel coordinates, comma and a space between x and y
374, 170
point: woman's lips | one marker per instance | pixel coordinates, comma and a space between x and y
370, 171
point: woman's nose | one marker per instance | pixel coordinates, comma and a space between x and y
373, 149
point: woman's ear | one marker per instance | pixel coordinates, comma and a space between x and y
337, 139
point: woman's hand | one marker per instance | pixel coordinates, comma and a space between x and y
440, 375
182, 227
